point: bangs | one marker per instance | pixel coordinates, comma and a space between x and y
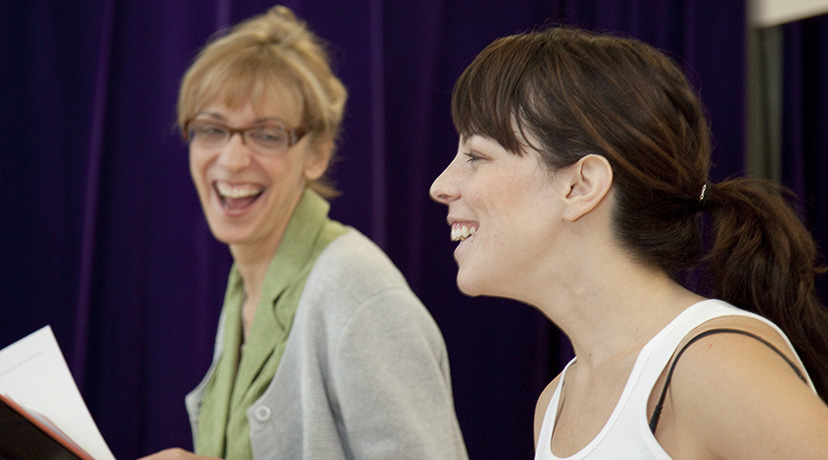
233, 78
488, 96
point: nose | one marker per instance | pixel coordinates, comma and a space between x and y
442, 189
235, 154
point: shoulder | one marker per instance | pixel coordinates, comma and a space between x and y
717, 322
731, 383
737, 340
353, 258
735, 346
353, 283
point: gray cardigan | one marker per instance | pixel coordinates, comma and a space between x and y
365, 372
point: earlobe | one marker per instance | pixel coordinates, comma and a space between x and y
589, 181
318, 159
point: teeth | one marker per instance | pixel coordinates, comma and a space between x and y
241, 191
461, 232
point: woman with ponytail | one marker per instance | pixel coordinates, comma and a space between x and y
581, 187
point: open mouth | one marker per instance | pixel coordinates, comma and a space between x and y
460, 232
236, 197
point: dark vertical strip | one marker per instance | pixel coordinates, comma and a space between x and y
223, 14
378, 156
90, 206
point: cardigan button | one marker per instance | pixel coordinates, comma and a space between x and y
262, 413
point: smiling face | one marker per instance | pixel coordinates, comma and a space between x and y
249, 197
502, 210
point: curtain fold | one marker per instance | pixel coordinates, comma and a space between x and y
103, 236
804, 160
91, 193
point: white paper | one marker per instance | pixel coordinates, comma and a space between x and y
33, 372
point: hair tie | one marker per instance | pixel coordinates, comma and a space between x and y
703, 195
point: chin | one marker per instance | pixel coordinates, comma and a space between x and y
469, 287
226, 235
224, 239
489, 286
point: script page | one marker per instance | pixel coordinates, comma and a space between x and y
33, 372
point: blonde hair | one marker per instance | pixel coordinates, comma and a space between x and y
245, 62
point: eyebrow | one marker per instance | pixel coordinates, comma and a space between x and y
258, 121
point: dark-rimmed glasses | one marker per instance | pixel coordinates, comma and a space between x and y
265, 139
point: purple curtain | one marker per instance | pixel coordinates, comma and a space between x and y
103, 238
804, 119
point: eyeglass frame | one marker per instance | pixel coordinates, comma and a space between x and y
294, 134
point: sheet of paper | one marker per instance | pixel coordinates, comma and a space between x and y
34, 373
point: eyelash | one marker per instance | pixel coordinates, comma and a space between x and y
471, 157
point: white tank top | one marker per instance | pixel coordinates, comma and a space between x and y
627, 432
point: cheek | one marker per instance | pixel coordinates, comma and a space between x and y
285, 177
521, 216
194, 167
503, 204
197, 171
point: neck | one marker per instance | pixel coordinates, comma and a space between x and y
611, 310
252, 263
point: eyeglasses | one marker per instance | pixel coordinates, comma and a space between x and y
265, 139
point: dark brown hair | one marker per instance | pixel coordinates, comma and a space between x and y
578, 93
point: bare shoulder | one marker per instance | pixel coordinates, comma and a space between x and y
746, 326
738, 398
542, 405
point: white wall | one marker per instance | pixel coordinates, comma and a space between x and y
766, 13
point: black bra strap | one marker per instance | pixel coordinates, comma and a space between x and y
660, 405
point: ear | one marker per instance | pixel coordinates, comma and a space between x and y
588, 182
318, 158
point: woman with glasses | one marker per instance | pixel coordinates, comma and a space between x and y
322, 351
580, 186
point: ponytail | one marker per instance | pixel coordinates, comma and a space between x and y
579, 93
763, 259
